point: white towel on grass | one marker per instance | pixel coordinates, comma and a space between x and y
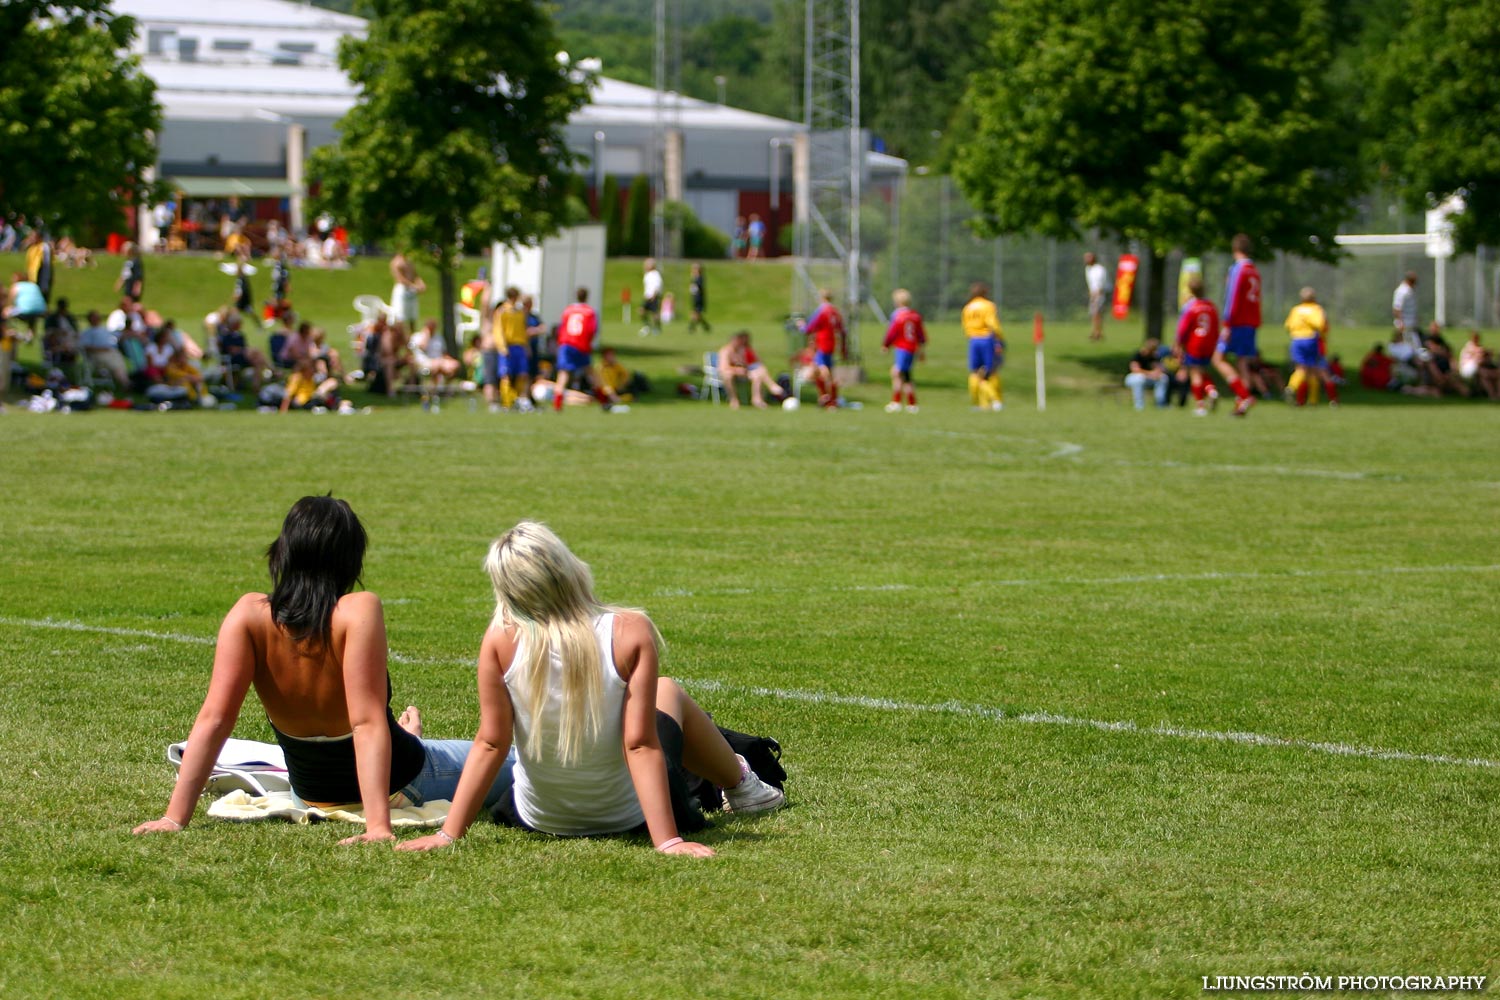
241, 806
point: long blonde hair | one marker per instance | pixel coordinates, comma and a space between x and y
547, 593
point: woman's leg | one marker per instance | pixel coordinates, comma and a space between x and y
704, 750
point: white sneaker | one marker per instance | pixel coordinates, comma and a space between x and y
893, 407
912, 408
997, 407
751, 795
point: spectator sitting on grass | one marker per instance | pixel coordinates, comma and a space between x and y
598, 733
236, 355
1146, 372
60, 335
396, 366
101, 346
305, 390
1437, 360
325, 357
430, 354
314, 650
625, 383
1476, 364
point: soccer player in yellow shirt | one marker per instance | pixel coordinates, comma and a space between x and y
1307, 325
981, 324
515, 355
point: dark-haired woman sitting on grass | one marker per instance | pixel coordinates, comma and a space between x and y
316, 655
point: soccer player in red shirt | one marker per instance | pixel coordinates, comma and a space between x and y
826, 328
1242, 297
1199, 337
575, 350
906, 336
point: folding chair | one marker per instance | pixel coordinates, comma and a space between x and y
713, 383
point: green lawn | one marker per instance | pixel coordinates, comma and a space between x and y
1077, 703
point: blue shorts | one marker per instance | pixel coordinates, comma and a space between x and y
1305, 352
823, 359
1188, 361
571, 359
1242, 342
982, 354
903, 362
514, 363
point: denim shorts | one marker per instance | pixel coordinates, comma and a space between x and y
439, 776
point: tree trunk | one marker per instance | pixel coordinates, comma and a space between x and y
449, 299
1156, 289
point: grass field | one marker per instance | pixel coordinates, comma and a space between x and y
1083, 703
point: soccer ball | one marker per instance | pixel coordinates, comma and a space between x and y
790, 403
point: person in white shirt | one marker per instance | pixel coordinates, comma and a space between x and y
1097, 279
1404, 310
651, 286
596, 729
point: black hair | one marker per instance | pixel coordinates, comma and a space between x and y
315, 560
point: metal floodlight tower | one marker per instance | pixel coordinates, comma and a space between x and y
666, 130
830, 85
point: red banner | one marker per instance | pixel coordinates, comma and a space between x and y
1125, 284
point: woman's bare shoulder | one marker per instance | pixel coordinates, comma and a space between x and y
633, 630
499, 646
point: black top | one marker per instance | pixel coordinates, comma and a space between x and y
325, 771
1147, 360
699, 293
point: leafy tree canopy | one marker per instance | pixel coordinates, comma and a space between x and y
458, 127
1175, 122
1436, 111
76, 117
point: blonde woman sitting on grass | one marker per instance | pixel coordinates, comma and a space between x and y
595, 728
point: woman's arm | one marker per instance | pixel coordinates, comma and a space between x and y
491, 744
635, 654
233, 673
366, 687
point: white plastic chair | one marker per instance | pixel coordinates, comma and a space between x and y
371, 307
467, 321
713, 382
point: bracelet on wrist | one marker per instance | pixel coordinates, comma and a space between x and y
445, 835
174, 823
668, 843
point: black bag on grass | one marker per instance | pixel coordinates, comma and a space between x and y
762, 753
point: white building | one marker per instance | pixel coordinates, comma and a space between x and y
248, 88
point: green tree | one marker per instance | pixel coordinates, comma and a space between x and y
609, 214
458, 131
76, 117
1174, 123
1436, 109
637, 235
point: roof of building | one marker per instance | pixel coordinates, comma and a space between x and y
240, 14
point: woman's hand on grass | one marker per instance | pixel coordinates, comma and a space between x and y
162, 825
431, 842
367, 838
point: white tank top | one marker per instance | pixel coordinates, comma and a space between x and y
594, 794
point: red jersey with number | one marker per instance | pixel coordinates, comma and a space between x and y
1242, 294
906, 332
1198, 328
825, 326
577, 327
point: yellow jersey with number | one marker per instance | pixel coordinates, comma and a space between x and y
980, 319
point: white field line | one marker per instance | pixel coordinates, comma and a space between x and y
1053, 719
953, 708
1093, 581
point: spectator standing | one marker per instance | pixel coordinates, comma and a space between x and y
39, 263
404, 303
698, 292
651, 289
756, 233
1404, 310
1097, 280
738, 241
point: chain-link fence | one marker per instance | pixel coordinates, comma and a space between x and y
918, 236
